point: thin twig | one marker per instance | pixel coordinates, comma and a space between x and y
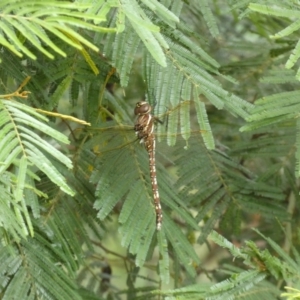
17, 93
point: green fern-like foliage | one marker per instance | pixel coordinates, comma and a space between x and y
41, 17
22, 150
77, 216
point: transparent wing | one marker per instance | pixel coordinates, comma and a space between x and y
114, 137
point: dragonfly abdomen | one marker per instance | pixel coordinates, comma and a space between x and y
150, 146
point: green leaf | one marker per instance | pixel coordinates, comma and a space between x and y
40, 161
204, 124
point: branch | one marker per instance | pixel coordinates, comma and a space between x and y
17, 93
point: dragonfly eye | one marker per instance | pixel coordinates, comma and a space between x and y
142, 108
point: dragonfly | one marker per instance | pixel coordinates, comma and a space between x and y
108, 142
144, 129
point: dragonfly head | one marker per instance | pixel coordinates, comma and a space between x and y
142, 108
